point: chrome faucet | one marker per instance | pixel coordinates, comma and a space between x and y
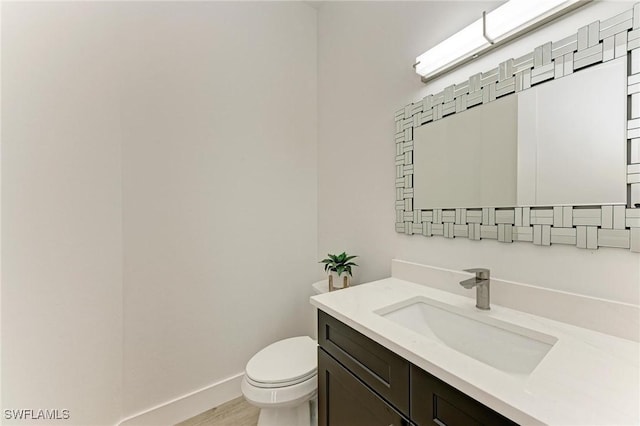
481, 283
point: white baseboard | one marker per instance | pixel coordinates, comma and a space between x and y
606, 316
189, 405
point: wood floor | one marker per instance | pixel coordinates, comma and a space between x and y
236, 412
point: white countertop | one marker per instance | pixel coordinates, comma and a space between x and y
587, 378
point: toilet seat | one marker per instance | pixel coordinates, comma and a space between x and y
284, 374
287, 396
284, 363
283, 384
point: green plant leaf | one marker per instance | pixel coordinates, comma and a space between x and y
338, 263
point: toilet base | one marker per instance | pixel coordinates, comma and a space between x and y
299, 415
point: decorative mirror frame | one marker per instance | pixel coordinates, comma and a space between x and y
585, 227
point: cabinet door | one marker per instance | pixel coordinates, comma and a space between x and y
434, 402
343, 400
380, 369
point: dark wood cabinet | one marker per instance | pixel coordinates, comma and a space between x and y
346, 401
360, 382
433, 402
379, 368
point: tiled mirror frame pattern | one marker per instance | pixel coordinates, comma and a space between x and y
585, 227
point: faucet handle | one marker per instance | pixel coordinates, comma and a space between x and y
481, 273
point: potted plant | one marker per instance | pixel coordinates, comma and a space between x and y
338, 265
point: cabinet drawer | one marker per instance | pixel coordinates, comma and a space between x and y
345, 401
434, 402
382, 370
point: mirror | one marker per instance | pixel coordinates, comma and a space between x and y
543, 148
557, 143
468, 159
572, 139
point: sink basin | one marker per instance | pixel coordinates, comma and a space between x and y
505, 346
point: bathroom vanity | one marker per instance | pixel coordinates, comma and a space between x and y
394, 352
362, 382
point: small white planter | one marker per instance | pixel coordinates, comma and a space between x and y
336, 282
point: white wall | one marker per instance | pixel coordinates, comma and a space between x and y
159, 176
0, 207
61, 211
220, 226
365, 54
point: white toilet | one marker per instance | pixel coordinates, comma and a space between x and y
282, 380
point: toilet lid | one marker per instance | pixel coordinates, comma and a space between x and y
286, 362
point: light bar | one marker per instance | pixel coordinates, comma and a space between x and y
503, 24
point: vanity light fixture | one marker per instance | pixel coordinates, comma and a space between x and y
503, 24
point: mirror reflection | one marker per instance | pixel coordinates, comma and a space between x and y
557, 143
